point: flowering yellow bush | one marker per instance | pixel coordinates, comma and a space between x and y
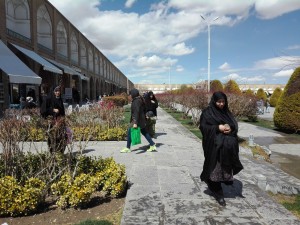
16, 199
75, 193
111, 178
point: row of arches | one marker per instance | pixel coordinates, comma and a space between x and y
56, 35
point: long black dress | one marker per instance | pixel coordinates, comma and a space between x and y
57, 138
221, 151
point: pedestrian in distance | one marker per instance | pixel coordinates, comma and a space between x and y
151, 103
29, 103
138, 119
53, 110
151, 112
220, 145
23, 103
267, 106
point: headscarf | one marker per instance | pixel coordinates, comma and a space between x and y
222, 116
134, 93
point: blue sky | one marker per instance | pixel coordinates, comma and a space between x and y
156, 42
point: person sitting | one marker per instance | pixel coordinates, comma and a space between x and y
29, 103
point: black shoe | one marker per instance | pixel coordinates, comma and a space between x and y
221, 201
228, 182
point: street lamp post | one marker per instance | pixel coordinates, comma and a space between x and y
208, 51
170, 76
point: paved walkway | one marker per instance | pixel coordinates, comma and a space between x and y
165, 188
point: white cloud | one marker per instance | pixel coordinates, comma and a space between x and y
224, 66
179, 68
154, 61
148, 61
180, 49
278, 63
139, 42
129, 3
241, 79
284, 73
293, 47
233, 76
271, 9
255, 79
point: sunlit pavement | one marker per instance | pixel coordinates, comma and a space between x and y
164, 186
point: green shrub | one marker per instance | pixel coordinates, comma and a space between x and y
112, 134
16, 199
95, 222
94, 175
232, 87
74, 193
275, 96
287, 112
118, 100
261, 94
249, 92
216, 85
113, 178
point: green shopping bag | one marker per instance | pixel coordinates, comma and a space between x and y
135, 134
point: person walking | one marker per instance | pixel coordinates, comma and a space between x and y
151, 112
220, 145
76, 95
53, 109
151, 103
267, 106
138, 119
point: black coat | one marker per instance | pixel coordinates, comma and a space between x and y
151, 103
137, 109
218, 146
50, 103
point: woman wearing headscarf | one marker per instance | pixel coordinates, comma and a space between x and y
220, 145
138, 119
53, 108
151, 112
151, 103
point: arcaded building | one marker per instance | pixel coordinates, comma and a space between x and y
40, 47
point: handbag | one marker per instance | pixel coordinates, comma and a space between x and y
135, 134
69, 134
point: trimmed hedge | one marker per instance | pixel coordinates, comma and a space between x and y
275, 96
287, 112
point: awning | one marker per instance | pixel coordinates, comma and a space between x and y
67, 69
46, 65
16, 70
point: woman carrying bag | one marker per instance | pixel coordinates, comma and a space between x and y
138, 120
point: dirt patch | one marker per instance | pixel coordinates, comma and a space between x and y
100, 208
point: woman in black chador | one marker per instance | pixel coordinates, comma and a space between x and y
220, 145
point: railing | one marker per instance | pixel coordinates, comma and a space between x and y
74, 62
61, 56
45, 49
17, 35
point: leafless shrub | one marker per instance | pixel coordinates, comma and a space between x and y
241, 105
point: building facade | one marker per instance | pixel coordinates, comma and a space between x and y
39, 46
160, 88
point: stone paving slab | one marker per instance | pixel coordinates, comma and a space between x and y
165, 188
